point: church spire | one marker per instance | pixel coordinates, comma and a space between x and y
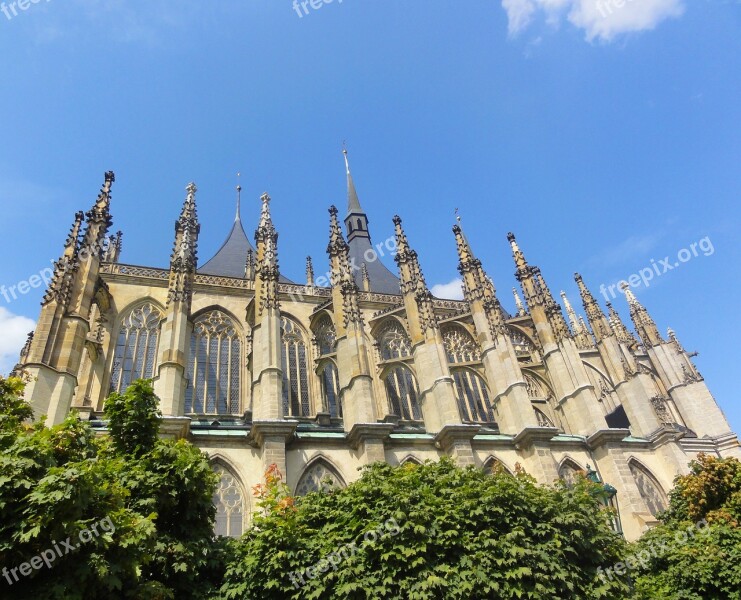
353, 203
239, 198
356, 221
644, 324
267, 271
344, 286
597, 320
518, 302
622, 333
184, 259
309, 272
581, 334
64, 268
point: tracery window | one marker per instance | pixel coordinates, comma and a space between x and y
473, 399
393, 341
521, 344
295, 370
319, 477
494, 465
229, 503
136, 348
402, 393
569, 471
331, 390
534, 387
214, 366
460, 346
543, 419
325, 336
649, 488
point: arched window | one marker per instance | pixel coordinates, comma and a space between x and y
229, 503
402, 392
295, 371
534, 387
543, 420
569, 471
325, 336
411, 460
473, 399
320, 476
520, 343
393, 341
650, 489
460, 346
331, 390
494, 465
214, 366
136, 349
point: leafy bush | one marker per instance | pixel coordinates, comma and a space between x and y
427, 532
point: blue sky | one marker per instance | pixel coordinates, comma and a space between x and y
603, 135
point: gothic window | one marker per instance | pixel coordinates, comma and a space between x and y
325, 336
319, 477
534, 387
411, 460
214, 366
402, 392
393, 341
493, 466
569, 471
543, 420
521, 344
136, 349
295, 370
460, 346
649, 488
229, 502
331, 390
473, 399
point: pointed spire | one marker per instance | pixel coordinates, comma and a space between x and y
581, 334
239, 198
624, 336
337, 242
644, 324
519, 257
61, 283
570, 311
309, 272
98, 218
552, 308
249, 267
598, 321
366, 277
184, 259
267, 272
113, 250
518, 302
412, 279
341, 274
353, 203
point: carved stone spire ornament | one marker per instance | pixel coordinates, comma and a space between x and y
413, 280
309, 272
64, 269
341, 274
98, 219
184, 258
597, 320
267, 271
518, 303
624, 336
644, 324
581, 335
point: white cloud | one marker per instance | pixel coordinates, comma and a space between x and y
449, 291
600, 19
13, 334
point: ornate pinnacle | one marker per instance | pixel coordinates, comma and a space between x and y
366, 277
518, 302
309, 272
598, 321
644, 324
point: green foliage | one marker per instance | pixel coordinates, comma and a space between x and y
154, 496
134, 418
695, 554
433, 532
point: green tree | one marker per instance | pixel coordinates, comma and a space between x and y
149, 500
695, 554
434, 531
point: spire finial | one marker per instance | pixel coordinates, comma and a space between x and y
239, 197
344, 152
518, 302
353, 203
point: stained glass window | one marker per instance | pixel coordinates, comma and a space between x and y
136, 349
295, 371
473, 399
214, 366
460, 346
325, 336
393, 341
331, 390
229, 502
319, 477
402, 392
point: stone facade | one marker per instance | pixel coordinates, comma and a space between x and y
324, 377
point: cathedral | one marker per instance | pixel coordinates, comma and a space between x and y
364, 364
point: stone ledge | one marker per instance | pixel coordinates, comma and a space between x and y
607, 436
283, 429
450, 434
174, 428
361, 432
529, 435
